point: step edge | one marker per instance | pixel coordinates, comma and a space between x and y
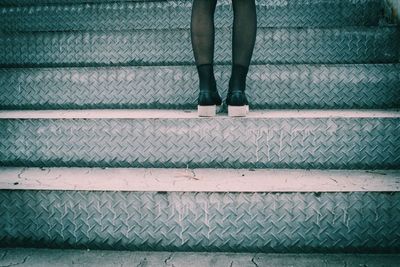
192, 114
199, 180
90, 257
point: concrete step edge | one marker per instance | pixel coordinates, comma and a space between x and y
192, 114
67, 257
198, 180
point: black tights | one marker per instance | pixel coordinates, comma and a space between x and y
244, 36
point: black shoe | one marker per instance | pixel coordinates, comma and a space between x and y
209, 98
208, 102
236, 100
238, 105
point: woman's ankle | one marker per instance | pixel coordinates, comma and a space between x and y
238, 77
206, 77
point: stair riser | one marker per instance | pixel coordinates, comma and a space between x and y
269, 86
345, 45
176, 14
234, 222
314, 143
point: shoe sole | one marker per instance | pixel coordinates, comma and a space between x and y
207, 111
238, 111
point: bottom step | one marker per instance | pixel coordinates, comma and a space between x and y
52, 257
184, 221
214, 210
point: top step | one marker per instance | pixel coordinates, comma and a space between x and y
79, 15
52, 2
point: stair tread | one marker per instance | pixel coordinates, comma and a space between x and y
338, 139
176, 14
202, 221
143, 47
159, 87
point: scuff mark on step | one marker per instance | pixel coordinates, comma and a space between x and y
166, 261
253, 260
21, 173
143, 263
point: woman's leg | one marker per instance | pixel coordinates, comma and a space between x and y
244, 37
202, 31
202, 35
244, 31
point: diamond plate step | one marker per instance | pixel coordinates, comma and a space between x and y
143, 47
269, 87
17, 3
179, 139
183, 221
176, 14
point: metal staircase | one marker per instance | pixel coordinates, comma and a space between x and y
101, 146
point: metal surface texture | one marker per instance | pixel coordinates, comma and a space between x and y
176, 14
57, 2
173, 47
222, 142
269, 87
17, 3
232, 222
